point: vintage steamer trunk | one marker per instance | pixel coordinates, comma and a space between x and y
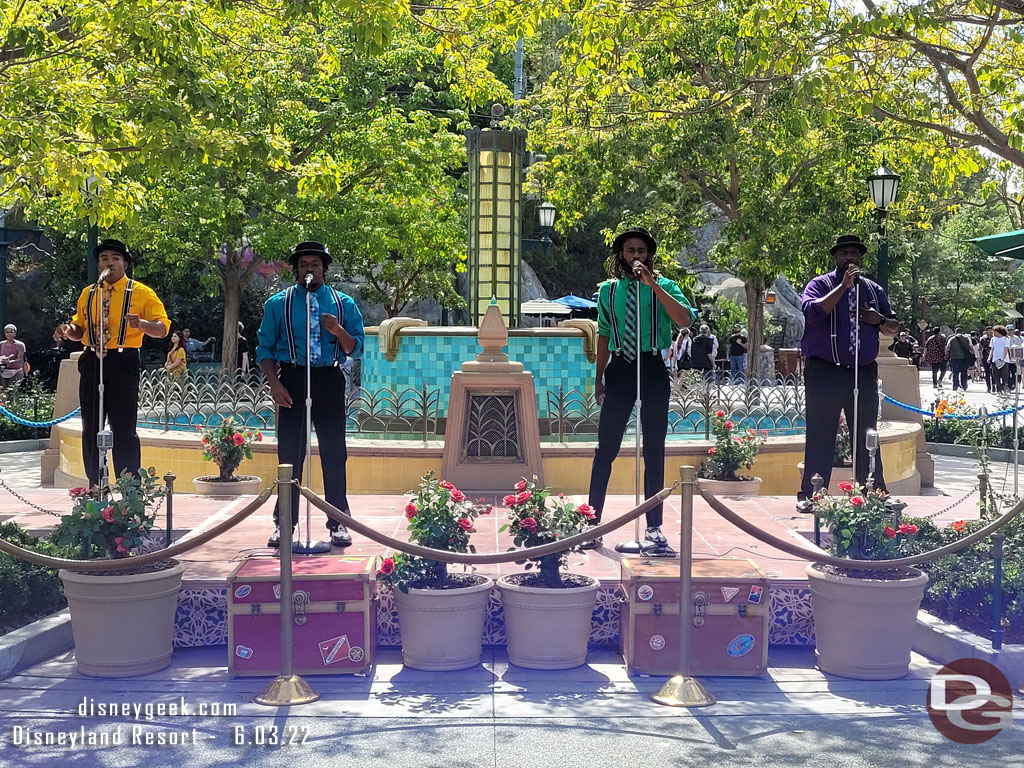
729, 633
335, 615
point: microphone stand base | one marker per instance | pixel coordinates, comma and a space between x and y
644, 548
312, 547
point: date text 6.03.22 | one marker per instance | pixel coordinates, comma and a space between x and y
270, 735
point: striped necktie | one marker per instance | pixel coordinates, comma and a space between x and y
629, 329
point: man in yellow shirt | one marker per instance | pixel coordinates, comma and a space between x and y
127, 311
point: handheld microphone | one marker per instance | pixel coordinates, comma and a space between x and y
871, 440
636, 266
103, 276
309, 278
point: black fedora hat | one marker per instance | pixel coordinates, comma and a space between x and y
643, 234
845, 241
113, 245
309, 248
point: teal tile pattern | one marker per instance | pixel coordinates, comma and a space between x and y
552, 360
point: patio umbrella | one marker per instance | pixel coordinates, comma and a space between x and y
576, 302
1007, 244
543, 307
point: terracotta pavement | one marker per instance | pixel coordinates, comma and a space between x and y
210, 564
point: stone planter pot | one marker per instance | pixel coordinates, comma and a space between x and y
241, 485
865, 627
442, 629
123, 625
547, 628
751, 487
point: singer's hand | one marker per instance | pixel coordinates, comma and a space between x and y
61, 332
329, 322
851, 275
870, 316
133, 320
599, 392
643, 274
280, 395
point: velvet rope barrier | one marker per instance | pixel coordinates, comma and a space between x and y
841, 562
498, 557
136, 561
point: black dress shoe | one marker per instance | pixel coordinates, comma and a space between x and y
805, 507
591, 543
341, 537
275, 538
655, 536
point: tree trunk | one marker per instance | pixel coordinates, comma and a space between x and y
232, 303
754, 288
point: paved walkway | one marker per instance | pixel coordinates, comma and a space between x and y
500, 715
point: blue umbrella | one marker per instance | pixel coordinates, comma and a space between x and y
576, 302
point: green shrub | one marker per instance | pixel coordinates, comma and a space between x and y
31, 401
28, 590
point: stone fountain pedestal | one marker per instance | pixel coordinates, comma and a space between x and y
492, 438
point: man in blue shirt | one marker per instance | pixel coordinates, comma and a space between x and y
829, 346
336, 334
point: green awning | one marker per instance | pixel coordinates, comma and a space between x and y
1009, 244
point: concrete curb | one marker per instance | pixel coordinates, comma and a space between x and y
945, 642
20, 446
968, 451
37, 642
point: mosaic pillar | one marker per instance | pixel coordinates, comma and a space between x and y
495, 214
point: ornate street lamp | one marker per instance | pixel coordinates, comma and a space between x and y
546, 217
884, 186
495, 216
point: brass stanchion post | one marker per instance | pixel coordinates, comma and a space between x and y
287, 688
683, 690
169, 482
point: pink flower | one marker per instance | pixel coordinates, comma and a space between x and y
259, 437
528, 523
587, 511
456, 495
388, 566
720, 414
857, 501
108, 514
204, 441
486, 510
521, 485
958, 526
466, 524
239, 438
78, 492
410, 511
509, 500
199, 427
119, 540
446, 485
889, 532
908, 528
846, 487
764, 433
523, 497
728, 425
712, 451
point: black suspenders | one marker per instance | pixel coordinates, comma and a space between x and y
125, 306
615, 321
289, 297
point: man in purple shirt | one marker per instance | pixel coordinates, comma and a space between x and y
829, 346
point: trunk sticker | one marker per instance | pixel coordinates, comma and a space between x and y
657, 642
335, 649
243, 590
755, 593
740, 645
243, 652
645, 592
729, 593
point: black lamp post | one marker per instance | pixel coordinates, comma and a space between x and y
883, 185
546, 218
92, 190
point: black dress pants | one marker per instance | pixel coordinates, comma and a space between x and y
328, 417
121, 404
619, 398
829, 390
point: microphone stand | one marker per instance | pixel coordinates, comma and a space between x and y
309, 547
104, 437
856, 377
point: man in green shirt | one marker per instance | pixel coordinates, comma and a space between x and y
621, 346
